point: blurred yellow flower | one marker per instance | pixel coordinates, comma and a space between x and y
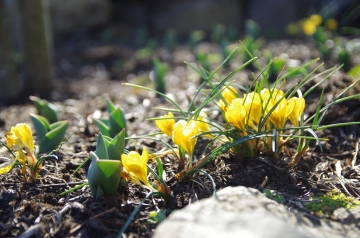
19, 139
229, 94
299, 106
310, 24
331, 24
135, 166
183, 132
309, 28
316, 19
166, 125
236, 114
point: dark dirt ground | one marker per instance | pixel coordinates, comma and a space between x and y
83, 76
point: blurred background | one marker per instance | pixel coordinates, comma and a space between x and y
41, 40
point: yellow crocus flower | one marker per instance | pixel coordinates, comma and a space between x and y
252, 103
182, 135
20, 140
236, 114
282, 111
229, 94
166, 125
299, 106
203, 122
265, 94
136, 167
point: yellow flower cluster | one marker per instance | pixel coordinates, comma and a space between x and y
248, 110
20, 140
183, 132
309, 25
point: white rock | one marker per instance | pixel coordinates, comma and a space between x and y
246, 212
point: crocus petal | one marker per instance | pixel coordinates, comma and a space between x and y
7, 166
282, 111
203, 122
182, 134
253, 106
235, 114
24, 133
166, 125
297, 111
229, 94
12, 141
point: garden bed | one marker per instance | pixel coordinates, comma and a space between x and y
82, 81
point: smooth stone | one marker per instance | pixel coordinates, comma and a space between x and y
246, 212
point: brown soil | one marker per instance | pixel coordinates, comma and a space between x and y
82, 81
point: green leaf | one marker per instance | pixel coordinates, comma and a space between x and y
41, 125
45, 109
107, 141
55, 125
101, 150
103, 128
159, 74
355, 71
104, 120
116, 122
117, 146
99, 192
274, 195
103, 175
49, 111
38, 103
108, 167
110, 105
53, 138
160, 168
158, 216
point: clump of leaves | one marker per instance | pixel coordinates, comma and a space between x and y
170, 39
105, 169
195, 38
45, 109
49, 135
328, 203
114, 124
157, 216
159, 75
274, 195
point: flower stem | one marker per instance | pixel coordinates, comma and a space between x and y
190, 161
